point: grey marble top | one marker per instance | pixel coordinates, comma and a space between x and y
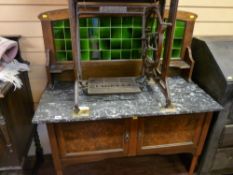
57, 105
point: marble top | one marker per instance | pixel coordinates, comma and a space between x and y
56, 105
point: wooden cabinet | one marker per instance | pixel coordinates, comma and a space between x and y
8, 156
166, 133
16, 129
107, 138
95, 140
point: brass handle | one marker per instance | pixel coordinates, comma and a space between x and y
127, 136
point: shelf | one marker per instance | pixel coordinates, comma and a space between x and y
58, 68
179, 64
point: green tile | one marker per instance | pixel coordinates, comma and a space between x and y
116, 22
137, 21
68, 45
180, 23
115, 43
179, 32
136, 54
59, 24
104, 44
106, 55
126, 43
69, 55
67, 33
105, 22
60, 45
116, 33
61, 56
115, 54
127, 21
67, 23
105, 32
126, 54
83, 33
85, 55
84, 44
116, 38
136, 44
127, 32
83, 22
177, 43
137, 32
94, 32
176, 53
58, 33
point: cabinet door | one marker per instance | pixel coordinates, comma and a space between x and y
169, 134
106, 138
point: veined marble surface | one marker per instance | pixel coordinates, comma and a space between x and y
57, 105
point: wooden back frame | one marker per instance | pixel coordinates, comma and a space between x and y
99, 68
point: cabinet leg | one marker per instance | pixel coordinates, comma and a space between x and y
55, 150
193, 165
59, 173
204, 132
39, 152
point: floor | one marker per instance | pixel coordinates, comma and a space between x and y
145, 165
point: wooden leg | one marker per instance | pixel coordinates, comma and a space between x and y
54, 148
193, 164
59, 172
200, 145
39, 152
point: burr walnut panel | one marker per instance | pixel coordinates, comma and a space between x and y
80, 142
160, 131
99, 137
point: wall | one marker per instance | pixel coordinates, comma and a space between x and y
20, 17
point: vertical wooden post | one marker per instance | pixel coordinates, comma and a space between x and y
205, 129
55, 149
133, 136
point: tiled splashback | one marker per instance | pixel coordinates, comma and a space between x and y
108, 38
